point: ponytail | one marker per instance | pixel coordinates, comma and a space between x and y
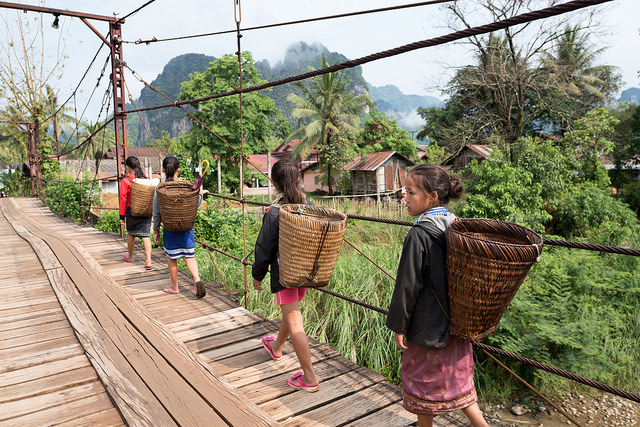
134, 164
286, 179
170, 165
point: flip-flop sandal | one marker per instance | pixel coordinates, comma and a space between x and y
126, 259
148, 267
266, 343
170, 291
296, 382
200, 290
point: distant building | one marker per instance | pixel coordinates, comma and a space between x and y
150, 158
376, 174
466, 155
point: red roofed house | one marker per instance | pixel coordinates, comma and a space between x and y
376, 174
309, 166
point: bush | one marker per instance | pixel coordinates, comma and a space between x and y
109, 221
631, 195
498, 190
582, 211
70, 197
221, 226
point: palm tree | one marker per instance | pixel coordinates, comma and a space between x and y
95, 146
574, 73
325, 107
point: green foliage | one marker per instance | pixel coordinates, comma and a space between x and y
554, 166
14, 185
341, 151
326, 106
221, 226
627, 142
631, 195
437, 154
496, 189
109, 221
577, 310
381, 133
441, 125
588, 208
222, 115
68, 196
591, 136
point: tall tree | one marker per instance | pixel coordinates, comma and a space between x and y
382, 133
26, 70
575, 83
325, 107
261, 120
506, 93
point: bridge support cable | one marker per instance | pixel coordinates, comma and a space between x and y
479, 346
458, 35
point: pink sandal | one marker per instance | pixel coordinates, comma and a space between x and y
266, 343
126, 259
296, 382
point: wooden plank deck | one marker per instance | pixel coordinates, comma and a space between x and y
168, 359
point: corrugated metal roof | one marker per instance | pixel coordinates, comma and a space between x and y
260, 160
135, 151
482, 150
372, 161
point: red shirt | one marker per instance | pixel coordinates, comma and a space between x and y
125, 192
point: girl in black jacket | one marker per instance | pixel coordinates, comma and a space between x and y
437, 369
286, 179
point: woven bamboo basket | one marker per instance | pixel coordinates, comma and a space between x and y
487, 261
178, 205
142, 199
309, 241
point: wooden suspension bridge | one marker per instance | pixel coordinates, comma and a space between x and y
87, 339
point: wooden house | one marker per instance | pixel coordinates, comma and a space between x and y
377, 174
466, 155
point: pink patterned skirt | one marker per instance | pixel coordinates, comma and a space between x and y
438, 381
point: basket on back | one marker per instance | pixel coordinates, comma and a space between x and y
309, 241
487, 261
178, 205
142, 199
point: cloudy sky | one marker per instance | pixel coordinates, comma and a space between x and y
419, 72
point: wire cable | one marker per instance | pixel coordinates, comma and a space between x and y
121, 20
458, 35
300, 21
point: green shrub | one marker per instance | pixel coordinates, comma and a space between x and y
109, 221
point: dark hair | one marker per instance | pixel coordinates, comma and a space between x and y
134, 164
170, 165
430, 178
286, 178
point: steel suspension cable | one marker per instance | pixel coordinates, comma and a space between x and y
61, 106
121, 20
239, 152
458, 35
300, 21
552, 242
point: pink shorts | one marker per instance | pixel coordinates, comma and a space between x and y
289, 295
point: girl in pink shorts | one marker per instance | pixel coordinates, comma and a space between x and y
286, 179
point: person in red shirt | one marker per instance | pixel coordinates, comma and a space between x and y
137, 226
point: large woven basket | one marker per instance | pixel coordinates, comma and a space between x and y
309, 241
142, 199
487, 261
178, 205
